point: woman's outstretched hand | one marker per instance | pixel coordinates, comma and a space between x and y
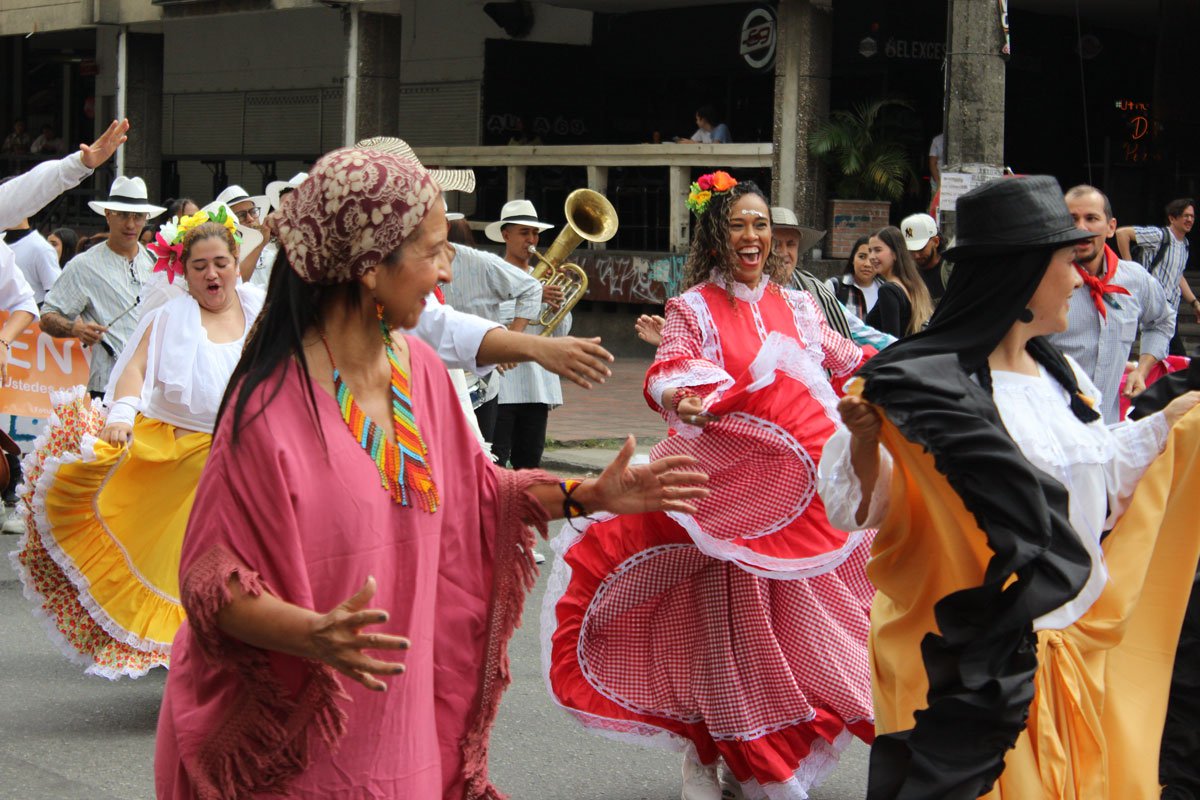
662, 485
649, 328
337, 639
1180, 406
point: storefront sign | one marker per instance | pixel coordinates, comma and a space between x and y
955, 184
917, 51
758, 38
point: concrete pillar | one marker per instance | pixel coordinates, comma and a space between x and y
802, 69
373, 74
143, 81
975, 72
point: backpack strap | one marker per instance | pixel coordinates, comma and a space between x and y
1162, 251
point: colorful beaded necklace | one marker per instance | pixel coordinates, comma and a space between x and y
404, 464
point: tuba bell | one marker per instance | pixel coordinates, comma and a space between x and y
589, 216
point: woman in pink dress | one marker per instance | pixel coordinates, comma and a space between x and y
737, 633
354, 565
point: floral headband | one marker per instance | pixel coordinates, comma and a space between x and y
168, 242
701, 195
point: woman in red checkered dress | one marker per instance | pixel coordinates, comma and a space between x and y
737, 634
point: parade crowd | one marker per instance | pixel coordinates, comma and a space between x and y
943, 503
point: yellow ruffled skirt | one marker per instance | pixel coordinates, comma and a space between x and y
104, 529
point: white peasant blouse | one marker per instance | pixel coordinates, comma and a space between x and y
1099, 466
186, 374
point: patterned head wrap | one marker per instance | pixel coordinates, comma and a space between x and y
355, 209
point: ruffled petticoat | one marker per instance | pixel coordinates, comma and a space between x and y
741, 630
104, 528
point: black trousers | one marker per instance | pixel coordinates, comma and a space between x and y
485, 415
520, 434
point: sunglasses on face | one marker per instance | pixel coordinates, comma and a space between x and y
128, 216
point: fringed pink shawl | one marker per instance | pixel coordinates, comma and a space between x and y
281, 516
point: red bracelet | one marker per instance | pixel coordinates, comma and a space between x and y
680, 396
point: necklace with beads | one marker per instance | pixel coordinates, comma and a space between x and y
404, 468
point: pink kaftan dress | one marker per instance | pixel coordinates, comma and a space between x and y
741, 630
309, 525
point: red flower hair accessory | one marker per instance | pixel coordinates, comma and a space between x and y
706, 187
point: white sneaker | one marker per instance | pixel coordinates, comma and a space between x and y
700, 781
538, 558
731, 787
13, 522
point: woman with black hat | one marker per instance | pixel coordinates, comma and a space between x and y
1037, 630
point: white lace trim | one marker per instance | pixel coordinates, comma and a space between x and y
631, 732
585, 668
785, 569
812, 772
740, 290
814, 768
710, 346
759, 325
700, 374
67, 565
841, 490
784, 354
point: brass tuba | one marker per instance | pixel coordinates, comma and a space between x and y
589, 216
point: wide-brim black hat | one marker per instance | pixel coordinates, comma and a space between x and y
1013, 215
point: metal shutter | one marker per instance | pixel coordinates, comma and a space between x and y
440, 114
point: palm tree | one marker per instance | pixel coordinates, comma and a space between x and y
868, 165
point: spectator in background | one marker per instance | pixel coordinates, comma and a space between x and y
461, 233
923, 241
18, 141
65, 242
88, 242
858, 287
523, 134
709, 130
904, 305
147, 235
36, 258
48, 144
1164, 253
180, 207
937, 160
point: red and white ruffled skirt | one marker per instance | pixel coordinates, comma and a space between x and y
740, 630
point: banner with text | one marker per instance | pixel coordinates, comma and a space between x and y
37, 365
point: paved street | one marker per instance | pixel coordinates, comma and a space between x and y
64, 736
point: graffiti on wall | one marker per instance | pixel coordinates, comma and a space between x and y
632, 278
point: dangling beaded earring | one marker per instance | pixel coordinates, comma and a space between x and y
383, 326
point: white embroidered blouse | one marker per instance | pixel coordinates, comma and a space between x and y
1099, 466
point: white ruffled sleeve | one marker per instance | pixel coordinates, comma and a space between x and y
841, 490
1138, 444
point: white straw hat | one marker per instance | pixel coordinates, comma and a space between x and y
515, 212
276, 189
127, 194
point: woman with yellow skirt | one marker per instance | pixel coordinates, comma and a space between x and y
107, 497
1032, 565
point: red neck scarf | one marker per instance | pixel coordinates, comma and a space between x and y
1098, 287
